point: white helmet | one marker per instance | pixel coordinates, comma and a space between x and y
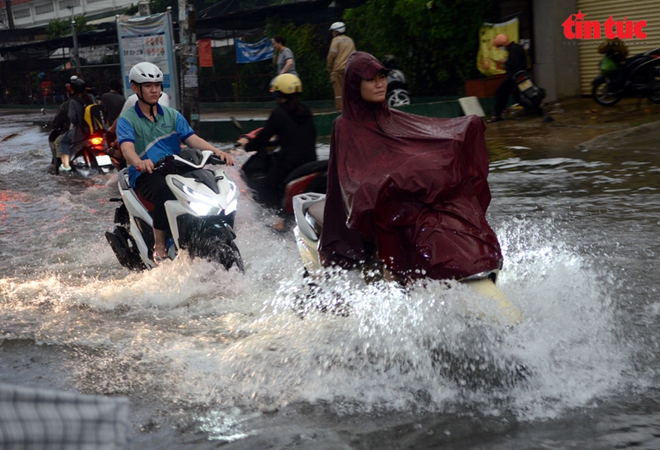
339, 27
145, 72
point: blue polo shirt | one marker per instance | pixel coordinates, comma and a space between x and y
152, 140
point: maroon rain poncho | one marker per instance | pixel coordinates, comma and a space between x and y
411, 188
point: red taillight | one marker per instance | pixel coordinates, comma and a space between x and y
96, 140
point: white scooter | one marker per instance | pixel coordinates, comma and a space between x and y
201, 219
308, 211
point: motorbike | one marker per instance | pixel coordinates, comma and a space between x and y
201, 219
308, 211
397, 87
528, 94
309, 177
91, 159
639, 75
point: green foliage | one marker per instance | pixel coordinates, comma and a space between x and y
434, 41
160, 6
131, 10
82, 26
310, 62
253, 79
58, 27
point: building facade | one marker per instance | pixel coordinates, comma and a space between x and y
34, 13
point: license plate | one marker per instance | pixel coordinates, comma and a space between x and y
103, 160
525, 85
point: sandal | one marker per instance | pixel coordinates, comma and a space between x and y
494, 119
281, 229
159, 259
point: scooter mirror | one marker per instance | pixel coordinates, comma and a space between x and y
236, 123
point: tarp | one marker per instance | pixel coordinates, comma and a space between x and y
413, 189
259, 51
487, 54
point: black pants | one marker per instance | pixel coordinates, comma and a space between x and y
265, 174
502, 95
153, 187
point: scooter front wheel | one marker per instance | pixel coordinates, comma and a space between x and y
654, 84
603, 94
217, 246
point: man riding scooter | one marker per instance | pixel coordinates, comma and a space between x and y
291, 121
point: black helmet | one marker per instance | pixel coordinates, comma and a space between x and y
390, 62
78, 86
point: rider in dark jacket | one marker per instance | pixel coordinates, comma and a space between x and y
292, 123
60, 125
516, 62
76, 137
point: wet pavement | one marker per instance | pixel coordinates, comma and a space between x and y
581, 122
567, 123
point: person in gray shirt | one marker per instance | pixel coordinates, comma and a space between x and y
285, 61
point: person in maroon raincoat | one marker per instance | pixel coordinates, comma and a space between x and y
406, 191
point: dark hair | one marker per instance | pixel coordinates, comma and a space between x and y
293, 103
280, 39
114, 84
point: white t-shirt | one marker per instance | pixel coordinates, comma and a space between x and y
130, 102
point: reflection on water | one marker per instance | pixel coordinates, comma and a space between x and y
226, 356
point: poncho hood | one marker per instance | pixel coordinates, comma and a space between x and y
414, 188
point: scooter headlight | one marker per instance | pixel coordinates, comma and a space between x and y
202, 204
232, 198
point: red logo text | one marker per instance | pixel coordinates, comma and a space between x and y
575, 27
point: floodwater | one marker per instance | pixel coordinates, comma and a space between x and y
217, 359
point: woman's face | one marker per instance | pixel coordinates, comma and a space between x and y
374, 89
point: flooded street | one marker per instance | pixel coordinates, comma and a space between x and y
216, 359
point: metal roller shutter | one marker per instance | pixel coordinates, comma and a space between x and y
601, 10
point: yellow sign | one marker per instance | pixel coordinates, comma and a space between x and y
488, 54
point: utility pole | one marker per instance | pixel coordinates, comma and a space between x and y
189, 63
10, 15
76, 58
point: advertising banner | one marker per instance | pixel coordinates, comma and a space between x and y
259, 51
487, 54
151, 39
205, 53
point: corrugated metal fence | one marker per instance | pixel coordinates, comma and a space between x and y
601, 10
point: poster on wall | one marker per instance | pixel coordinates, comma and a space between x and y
149, 38
488, 55
205, 53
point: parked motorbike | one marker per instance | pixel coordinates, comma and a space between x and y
397, 87
309, 177
528, 94
308, 211
201, 219
638, 76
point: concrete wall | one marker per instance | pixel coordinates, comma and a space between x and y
557, 63
221, 128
